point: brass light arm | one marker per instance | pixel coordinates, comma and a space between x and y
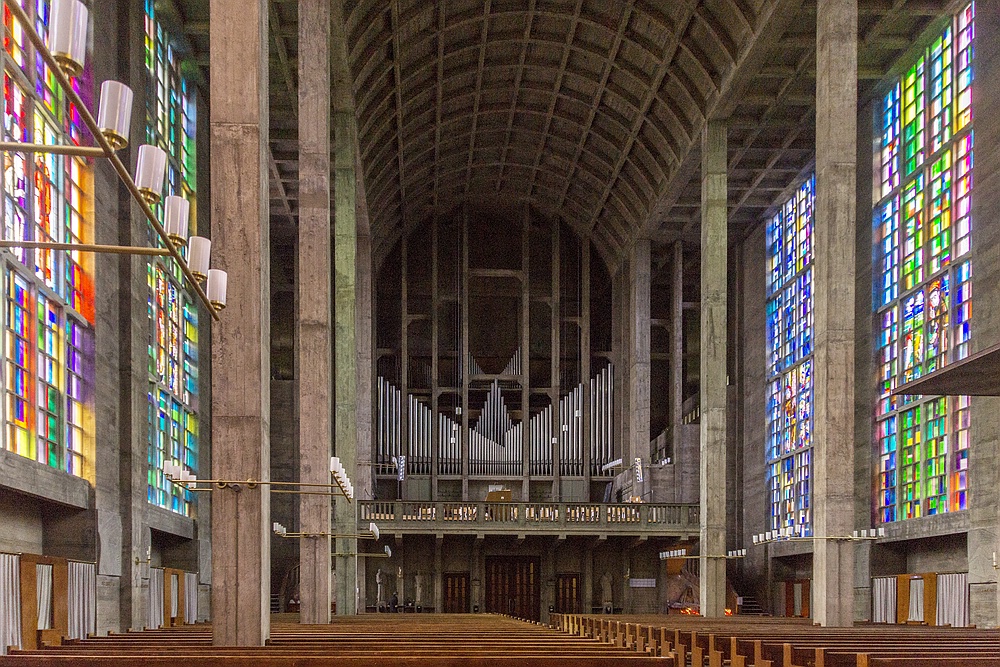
87, 247
54, 149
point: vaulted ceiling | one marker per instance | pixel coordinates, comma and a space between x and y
588, 109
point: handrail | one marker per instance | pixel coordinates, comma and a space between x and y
537, 515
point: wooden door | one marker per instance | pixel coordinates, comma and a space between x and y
456, 592
513, 587
568, 593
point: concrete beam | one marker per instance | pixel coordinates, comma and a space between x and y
23, 475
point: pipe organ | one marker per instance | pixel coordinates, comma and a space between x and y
496, 442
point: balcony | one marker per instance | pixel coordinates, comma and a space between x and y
557, 519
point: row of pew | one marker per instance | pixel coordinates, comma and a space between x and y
424, 640
771, 642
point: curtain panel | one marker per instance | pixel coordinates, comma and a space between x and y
155, 598
884, 600
10, 602
43, 576
82, 600
190, 597
953, 599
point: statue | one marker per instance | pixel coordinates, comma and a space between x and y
607, 601
378, 582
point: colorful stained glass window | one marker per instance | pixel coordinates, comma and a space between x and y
48, 294
173, 314
923, 308
789, 348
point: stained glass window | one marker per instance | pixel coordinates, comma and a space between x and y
923, 308
173, 313
789, 368
49, 304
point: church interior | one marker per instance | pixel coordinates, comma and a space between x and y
587, 331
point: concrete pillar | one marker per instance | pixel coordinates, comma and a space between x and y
118, 461
984, 450
438, 574
833, 292
638, 309
241, 568
676, 407
714, 280
314, 298
345, 354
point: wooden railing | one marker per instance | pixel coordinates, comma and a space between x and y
416, 516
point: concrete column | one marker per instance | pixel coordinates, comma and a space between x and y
984, 450
833, 292
314, 321
638, 309
714, 281
364, 480
676, 348
241, 568
117, 463
345, 351
438, 574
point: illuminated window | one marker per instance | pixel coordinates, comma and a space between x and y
923, 278
49, 309
173, 313
789, 366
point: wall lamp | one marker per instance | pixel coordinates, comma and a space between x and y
363, 554
180, 476
683, 555
371, 534
64, 55
790, 534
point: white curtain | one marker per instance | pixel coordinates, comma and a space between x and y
82, 600
174, 595
10, 601
797, 599
190, 597
155, 598
916, 600
953, 599
884, 600
43, 576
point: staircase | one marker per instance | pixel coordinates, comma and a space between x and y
751, 607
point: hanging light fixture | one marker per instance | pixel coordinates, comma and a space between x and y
114, 115
176, 214
68, 35
199, 254
150, 168
217, 282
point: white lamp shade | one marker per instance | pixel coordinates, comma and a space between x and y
114, 115
199, 254
150, 169
217, 280
176, 214
68, 33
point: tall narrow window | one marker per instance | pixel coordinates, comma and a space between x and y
49, 309
789, 366
173, 313
923, 296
